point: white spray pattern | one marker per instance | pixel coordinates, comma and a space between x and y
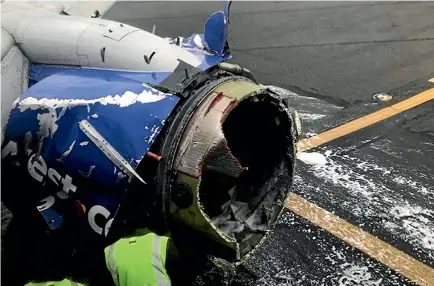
310, 116
357, 275
124, 100
386, 146
417, 222
280, 90
311, 134
47, 121
367, 197
351, 273
416, 186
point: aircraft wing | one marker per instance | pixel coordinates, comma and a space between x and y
15, 64
72, 8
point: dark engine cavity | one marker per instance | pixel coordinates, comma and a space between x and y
258, 134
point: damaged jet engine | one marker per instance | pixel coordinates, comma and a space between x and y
204, 148
222, 163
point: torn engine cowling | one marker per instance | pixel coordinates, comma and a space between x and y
229, 161
220, 161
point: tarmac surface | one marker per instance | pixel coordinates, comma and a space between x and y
343, 50
334, 56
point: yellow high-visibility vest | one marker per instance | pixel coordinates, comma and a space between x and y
138, 260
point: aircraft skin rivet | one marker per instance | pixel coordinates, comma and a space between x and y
381, 96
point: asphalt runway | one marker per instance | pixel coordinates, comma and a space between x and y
335, 56
343, 50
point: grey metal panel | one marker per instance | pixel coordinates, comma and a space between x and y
117, 31
53, 40
49, 38
14, 81
128, 52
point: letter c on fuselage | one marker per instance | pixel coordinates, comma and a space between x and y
93, 212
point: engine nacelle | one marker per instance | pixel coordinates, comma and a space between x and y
224, 164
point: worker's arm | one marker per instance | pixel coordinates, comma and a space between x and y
176, 267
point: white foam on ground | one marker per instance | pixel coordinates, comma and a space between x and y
356, 275
363, 193
310, 116
280, 90
312, 158
417, 222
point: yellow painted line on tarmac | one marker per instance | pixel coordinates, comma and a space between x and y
395, 259
374, 247
365, 121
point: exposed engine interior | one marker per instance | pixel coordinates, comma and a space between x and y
233, 164
262, 145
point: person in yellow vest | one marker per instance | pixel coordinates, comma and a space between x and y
143, 258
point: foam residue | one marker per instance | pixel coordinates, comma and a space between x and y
310, 116
356, 275
124, 100
312, 158
47, 123
417, 222
280, 90
366, 189
416, 186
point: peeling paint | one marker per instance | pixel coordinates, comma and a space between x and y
120, 175
66, 153
87, 173
155, 131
